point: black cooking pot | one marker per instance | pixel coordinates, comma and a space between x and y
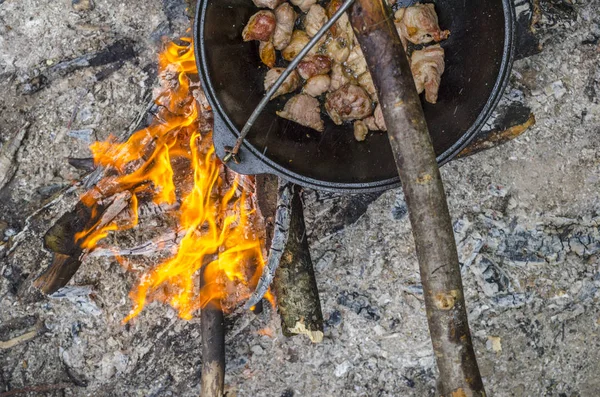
479, 57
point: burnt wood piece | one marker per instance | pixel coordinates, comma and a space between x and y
278, 242
372, 21
213, 350
295, 285
496, 137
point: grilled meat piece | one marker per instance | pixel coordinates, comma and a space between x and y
272, 4
356, 61
337, 49
299, 40
317, 85
379, 121
304, 5
366, 81
291, 84
285, 17
360, 130
267, 53
427, 66
314, 65
304, 110
419, 24
339, 78
260, 26
350, 102
315, 19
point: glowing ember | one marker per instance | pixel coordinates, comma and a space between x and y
215, 215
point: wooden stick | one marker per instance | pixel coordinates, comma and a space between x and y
213, 350
30, 334
37, 389
373, 23
496, 138
295, 285
278, 243
7, 154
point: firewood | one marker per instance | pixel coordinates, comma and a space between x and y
7, 154
277, 244
294, 282
372, 21
213, 351
295, 285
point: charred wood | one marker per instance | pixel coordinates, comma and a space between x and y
213, 349
295, 285
7, 154
426, 200
278, 242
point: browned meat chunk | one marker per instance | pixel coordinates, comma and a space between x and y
366, 81
272, 4
314, 65
342, 28
360, 130
299, 40
304, 110
419, 24
427, 66
379, 121
267, 53
356, 61
291, 84
337, 49
317, 85
350, 102
315, 19
338, 77
304, 5
286, 18
260, 26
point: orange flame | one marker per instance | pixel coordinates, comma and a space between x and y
219, 245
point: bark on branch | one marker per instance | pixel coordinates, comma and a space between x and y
426, 200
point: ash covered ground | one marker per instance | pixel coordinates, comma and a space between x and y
527, 222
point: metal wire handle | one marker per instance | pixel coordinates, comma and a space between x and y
232, 152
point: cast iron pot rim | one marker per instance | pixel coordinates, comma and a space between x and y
387, 184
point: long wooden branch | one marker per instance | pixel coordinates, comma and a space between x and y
425, 197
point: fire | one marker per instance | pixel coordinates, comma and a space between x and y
220, 256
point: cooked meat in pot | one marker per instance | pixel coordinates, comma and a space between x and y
304, 110
291, 84
419, 24
267, 53
299, 40
336, 65
317, 85
351, 102
315, 19
267, 3
314, 65
427, 66
304, 5
260, 26
360, 130
285, 18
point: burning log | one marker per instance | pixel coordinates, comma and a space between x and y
289, 265
426, 200
295, 285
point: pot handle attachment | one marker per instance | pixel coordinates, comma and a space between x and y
223, 137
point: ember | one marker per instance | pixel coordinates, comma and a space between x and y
172, 161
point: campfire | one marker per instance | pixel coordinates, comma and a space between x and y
172, 164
